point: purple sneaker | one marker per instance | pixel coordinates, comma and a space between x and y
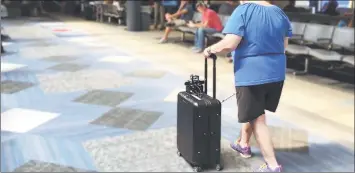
244, 152
265, 168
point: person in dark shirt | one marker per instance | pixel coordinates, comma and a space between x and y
330, 8
183, 15
291, 7
227, 7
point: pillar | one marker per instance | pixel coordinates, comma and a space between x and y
133, 17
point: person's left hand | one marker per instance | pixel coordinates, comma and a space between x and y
207, 52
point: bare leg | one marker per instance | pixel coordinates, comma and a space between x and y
167, 29
245, 132
166, 33
263, 137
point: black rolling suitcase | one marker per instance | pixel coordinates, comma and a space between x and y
199, 123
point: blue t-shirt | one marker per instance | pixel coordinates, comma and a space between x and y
169, 3
260, 57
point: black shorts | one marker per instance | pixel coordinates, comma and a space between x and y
254, 100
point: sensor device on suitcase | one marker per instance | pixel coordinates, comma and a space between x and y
199, 123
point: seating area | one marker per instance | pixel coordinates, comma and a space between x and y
311, 42
330, 44
107, 12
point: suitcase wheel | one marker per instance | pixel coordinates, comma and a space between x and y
197, 169
179, 154
219, 167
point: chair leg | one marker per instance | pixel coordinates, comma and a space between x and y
206, 41
306, 67
182, 36
109, 19
101, 17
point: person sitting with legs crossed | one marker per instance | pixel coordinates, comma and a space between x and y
180, 18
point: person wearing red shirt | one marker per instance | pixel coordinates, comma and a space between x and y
210, 24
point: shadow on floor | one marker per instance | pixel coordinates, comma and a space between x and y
320, 158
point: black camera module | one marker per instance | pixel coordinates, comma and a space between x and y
194, 85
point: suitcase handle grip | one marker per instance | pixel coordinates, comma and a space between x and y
214, 57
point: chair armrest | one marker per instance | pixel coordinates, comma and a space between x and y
328, 40
324, 41
297, 37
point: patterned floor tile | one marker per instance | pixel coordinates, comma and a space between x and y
68, 67
10, 87
53, 50
288, 139
6, 43
117, 59
60, 58
131, 119
153, 151
81, 80
6, 67
147, 73
39, 166
30, 119
81, 39
104, 98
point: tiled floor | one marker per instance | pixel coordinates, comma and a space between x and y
73, 102
19, 120
38, 166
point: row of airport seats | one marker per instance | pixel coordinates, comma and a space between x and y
108, 11
331, 44
326, 43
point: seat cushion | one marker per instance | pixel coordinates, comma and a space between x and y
297, 49
187, 29
349, 59
218, 35
325, 55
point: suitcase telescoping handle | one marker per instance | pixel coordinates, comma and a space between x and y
214, 58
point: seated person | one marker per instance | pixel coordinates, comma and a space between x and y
330, 8
227, 7
349, 22
210, 24
291, 6
183, 15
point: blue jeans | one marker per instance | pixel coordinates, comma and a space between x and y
200, 36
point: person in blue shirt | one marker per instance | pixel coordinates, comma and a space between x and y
256, 33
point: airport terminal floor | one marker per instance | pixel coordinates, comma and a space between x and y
85, 96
